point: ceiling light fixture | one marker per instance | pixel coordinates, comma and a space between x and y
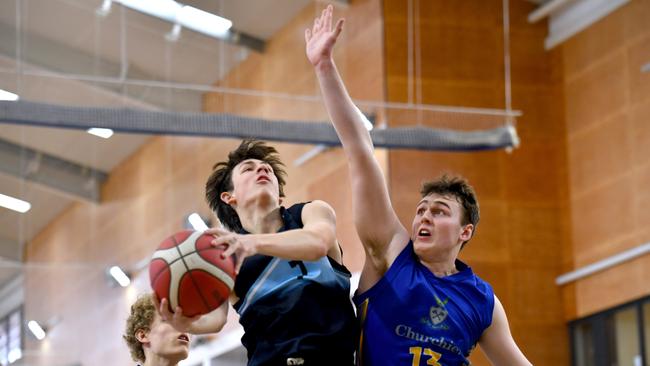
37, 330
119, 276
14, 355
14, 203
197, 222
184, 15
101, 132
5, 95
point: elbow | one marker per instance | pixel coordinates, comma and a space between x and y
323, 241
319, 251
220, 326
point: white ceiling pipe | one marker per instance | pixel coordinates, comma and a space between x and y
547, 9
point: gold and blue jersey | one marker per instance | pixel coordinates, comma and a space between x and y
411, 317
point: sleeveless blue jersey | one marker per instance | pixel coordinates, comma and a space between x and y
411, 317
296, 308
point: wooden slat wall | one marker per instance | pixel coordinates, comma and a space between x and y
519, 244
607, 102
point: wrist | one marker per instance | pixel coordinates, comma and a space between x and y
252, 243
325, 65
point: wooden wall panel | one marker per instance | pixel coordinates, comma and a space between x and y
147, 196
519, 243
607, 107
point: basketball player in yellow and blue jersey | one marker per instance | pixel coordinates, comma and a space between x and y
419, 304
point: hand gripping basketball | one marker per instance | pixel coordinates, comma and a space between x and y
191, 273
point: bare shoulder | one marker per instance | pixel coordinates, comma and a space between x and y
318, 210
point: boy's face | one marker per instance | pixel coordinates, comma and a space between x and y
165, 341
437, 224
252, 178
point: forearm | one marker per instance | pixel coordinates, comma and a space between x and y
300, 244
342, 112
212, 322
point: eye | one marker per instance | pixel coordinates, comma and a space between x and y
420, 211
439, 212
247, 168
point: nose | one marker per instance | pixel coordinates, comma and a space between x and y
263, 168
426, 217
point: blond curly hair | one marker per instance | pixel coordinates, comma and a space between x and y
143, 312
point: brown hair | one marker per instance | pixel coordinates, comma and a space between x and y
221, 178
143, 312
458, 188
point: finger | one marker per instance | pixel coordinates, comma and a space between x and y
316, 26
240, 261
328, 17
232, 249
307, 35
339, 28
178, 313
164, 309
221, 241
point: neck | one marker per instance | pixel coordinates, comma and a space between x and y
440, 262
157, 360
260, 217
441, 269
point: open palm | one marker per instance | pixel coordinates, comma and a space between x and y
321, 38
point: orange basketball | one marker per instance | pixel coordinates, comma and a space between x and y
188, 271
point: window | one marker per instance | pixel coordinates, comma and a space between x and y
615, 337
646, 331
11, 337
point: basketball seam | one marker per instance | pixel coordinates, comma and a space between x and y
169, 264
188, 271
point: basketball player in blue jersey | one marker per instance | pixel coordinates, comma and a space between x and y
292, 292
418, 304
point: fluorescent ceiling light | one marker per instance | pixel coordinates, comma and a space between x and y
118, 275
14, 355
14, 203
185, 15
203, 22
101, 132
36, 329
197, 222
5, 95
164, 9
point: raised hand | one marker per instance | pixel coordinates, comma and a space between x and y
321, 38
241, 246
179, 321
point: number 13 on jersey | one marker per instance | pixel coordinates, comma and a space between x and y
433, 357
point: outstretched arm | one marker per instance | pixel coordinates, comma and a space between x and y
378, 227
211, 322
316, 239
497, 342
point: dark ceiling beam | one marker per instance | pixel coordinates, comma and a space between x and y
69, 178
233, 126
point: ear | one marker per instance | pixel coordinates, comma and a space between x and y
466, 233
228, 198
142, 336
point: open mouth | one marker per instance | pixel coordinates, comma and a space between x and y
184, 338
424, 233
